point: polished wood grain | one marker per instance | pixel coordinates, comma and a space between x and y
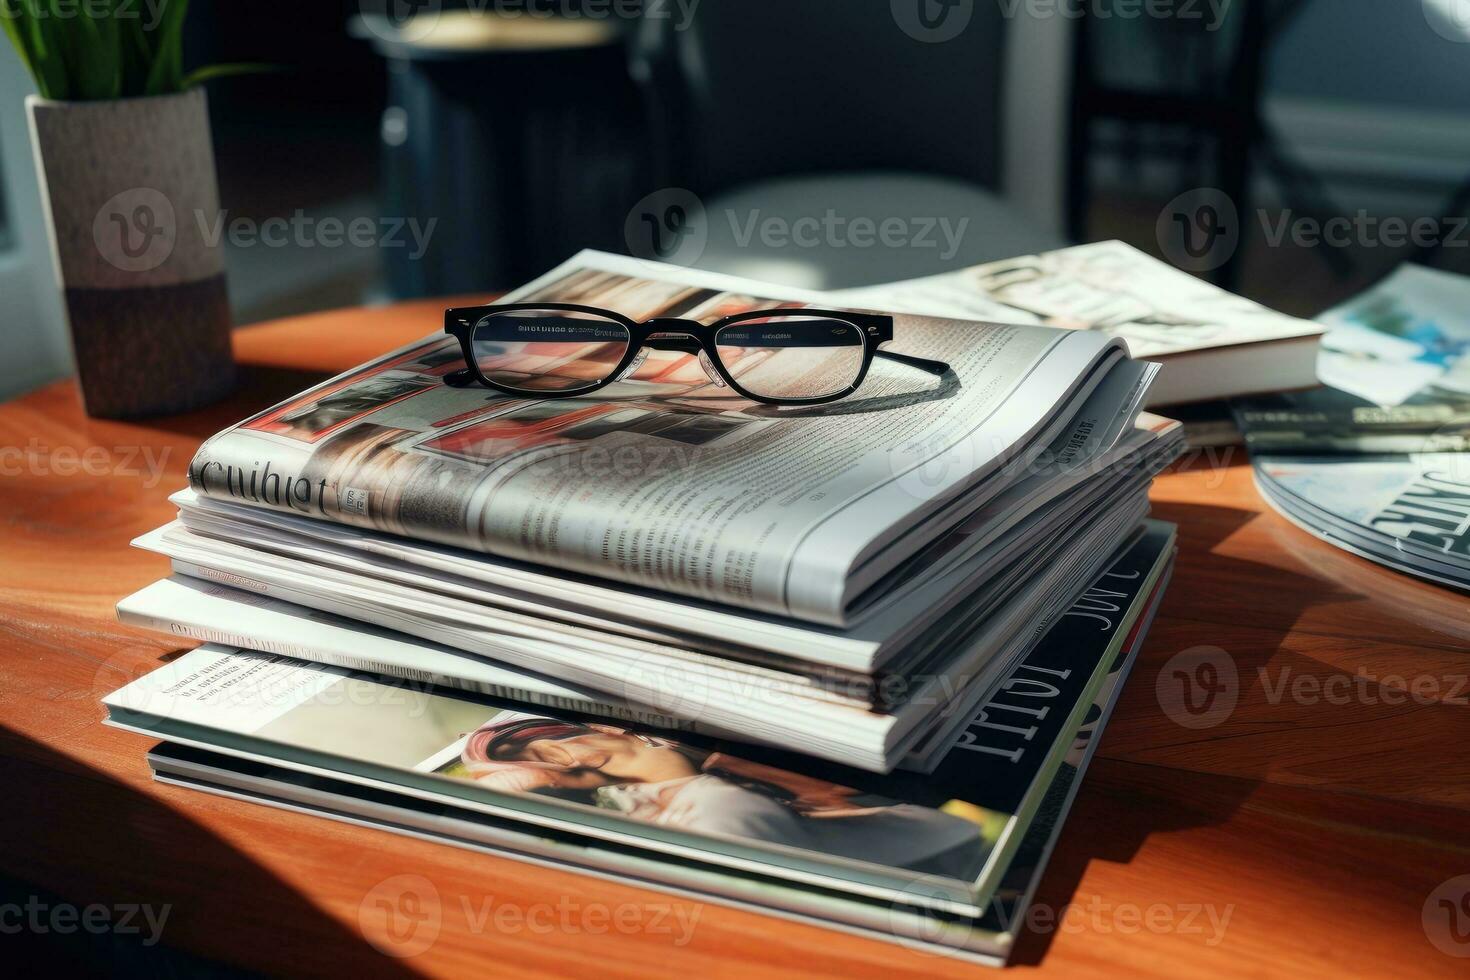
1300, 835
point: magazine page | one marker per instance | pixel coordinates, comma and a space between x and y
666, 480
1107, 286
215, 613
1403, 341
671, 792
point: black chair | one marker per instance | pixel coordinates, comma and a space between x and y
774, 110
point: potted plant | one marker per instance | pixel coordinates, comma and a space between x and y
122, 141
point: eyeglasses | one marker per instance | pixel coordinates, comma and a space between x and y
778, 357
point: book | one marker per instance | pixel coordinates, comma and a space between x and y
1211, 343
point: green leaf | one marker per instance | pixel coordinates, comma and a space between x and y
60, 41
95, 51
167, 74
48, 42
10, 15
210, 72
136, 55
101, 50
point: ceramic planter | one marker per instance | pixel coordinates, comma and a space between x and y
130, 191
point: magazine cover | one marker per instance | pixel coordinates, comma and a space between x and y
1404, 341
1394, 359
1421, 502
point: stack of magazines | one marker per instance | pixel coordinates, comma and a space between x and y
1378, 463
841, 659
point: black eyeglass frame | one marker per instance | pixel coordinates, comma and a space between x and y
683, 335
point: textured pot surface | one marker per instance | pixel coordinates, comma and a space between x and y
131, 191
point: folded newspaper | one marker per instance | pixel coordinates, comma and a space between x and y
668, 481
852, 579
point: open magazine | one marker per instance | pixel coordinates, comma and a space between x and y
794, 512
1212, 343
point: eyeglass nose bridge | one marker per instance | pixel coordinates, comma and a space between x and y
672, 334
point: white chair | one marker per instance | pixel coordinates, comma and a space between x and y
774, 111
33, 344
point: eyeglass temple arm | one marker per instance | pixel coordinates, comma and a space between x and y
936, 368
462, 378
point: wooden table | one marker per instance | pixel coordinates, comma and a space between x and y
1302, 834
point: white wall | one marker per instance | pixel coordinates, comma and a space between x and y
1375, 101
33, 342
1376, 53
1366, 95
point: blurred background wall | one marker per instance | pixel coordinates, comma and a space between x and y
33, 345
1366, 103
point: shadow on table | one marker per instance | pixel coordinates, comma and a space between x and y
1303, 713
1119, 806
133, 887
1109, 824
258, 388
